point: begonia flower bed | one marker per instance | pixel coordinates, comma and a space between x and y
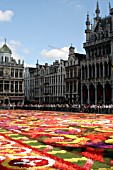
47, 140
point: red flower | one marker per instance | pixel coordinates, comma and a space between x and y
111, 162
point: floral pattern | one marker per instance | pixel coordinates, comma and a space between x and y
55, 140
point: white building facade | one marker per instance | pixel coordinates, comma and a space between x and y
11, 78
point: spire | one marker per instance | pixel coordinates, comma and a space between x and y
109, 6
5, 40
91, 25
87, 31
87, 22
97, 11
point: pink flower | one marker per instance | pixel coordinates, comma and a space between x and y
111, 162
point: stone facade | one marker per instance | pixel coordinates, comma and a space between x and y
96, 69
72, 77
55, 83
83, 79
11, 78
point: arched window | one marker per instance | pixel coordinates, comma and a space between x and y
89, 71
97, 70
106, 68
93, 68
101, 70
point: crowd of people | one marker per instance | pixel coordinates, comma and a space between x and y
85, 108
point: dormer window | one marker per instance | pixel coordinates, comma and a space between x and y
71, 63
2, 59
6, 59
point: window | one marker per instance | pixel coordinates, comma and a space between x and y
1, 86
71, 73
12, 72
6, 59
1, 72
12, 86
71, 63
16, 72
6, 86
2, 59
16, 86
20, 73
20, 86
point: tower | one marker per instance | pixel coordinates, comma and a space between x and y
87, 31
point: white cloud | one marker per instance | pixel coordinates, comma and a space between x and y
29, 65
15, 54
26, 51
13, 45
79, 6
56, 53
6, 15
72, 3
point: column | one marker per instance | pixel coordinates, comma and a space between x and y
95, 71
99, 71
3, 85
81, 74
14, 86
73, 73
18, 86
103, 69
9, 86
22, 86
88, 71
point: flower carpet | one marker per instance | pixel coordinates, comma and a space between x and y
47, 140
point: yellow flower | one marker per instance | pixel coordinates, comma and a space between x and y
39, 146
29, 141
76, 159
80, 140
70, 136
55, 152
109, 141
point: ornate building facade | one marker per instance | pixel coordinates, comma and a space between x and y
72, 77
55, 83
11, 78
50, 85
96, 69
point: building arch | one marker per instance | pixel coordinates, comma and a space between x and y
99, 93
101, 69
109, 63
108, 92
97, 65
85, 93
89, 70
93, 68
83, 72
92, 93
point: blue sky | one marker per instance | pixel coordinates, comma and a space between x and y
34, 27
